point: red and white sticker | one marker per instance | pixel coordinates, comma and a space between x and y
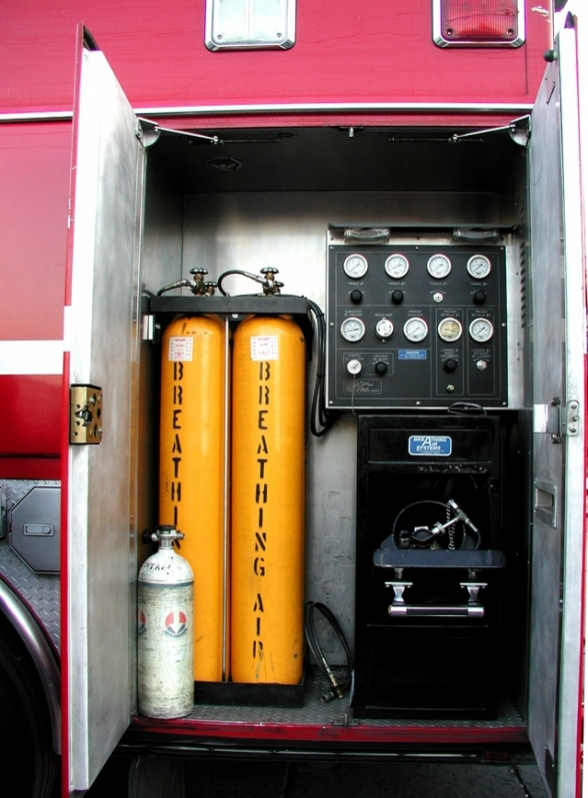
175, 623
180, 348
264, 347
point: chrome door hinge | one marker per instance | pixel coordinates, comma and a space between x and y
85, 416
571, 424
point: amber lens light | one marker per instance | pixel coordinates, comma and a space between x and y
479, 20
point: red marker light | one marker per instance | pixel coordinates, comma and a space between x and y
478, 23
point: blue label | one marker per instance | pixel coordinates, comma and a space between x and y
412, 354
429, 445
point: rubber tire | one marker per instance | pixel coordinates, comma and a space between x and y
26, 748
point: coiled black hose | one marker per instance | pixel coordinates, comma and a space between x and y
338, 688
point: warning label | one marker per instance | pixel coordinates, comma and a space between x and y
180, 348
264, 347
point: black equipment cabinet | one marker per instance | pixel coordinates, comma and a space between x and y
427, 645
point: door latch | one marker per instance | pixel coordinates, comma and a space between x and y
85, 422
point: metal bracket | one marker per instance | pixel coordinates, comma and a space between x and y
519, 130
399, 588
148, 133
148, 327
473, 589
345, 721
557, 420
85, 425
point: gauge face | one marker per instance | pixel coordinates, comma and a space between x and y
439, 266
384, 329
450, 329
416, 330
355, 266
481, 330
396, 266
353, 329
479, 267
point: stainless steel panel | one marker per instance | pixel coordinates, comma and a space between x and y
101, 686
515, 281
547, 325
288, 229
574, 500
558, 330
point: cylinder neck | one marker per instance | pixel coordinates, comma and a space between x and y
165, 536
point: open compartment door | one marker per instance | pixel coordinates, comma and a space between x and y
100, 330
559, 472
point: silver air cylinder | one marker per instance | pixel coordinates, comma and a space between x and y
166, 631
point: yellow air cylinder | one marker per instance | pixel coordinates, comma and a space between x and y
192, 472
267, 526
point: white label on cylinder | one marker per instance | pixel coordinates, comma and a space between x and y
264, 347
180, 348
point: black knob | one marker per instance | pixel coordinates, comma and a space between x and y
479, 297
397, 296
381, 368
356, 296
450, 364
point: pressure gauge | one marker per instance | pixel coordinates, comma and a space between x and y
355, 266
396, 266
450, 329
416, 329
384, 329
439, 266
353, 330
479, 267
481, 330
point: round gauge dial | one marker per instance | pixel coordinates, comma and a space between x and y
384, 329
396, 266
481, 330
355, 266
479, 267
353, 330
416, 330
450, 329
439, 266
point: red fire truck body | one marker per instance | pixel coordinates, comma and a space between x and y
367, 131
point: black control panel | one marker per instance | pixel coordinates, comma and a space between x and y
416, 325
